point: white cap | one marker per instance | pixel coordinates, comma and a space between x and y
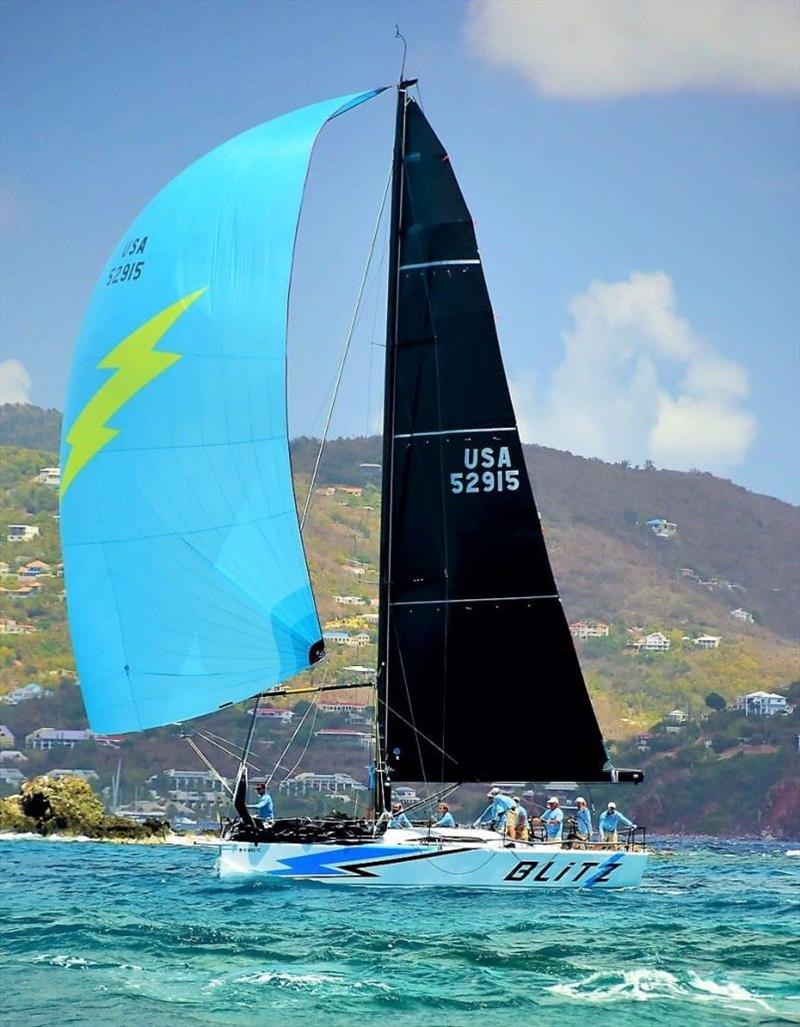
493, 791
551, 801
612, 805
580, 799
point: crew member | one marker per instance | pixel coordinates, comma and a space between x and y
496, 814
445, 816
583, 821
521, 831
610, 820
263, 809
398, 818
553, 820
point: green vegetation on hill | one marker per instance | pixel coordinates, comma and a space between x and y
22, 424
610, 567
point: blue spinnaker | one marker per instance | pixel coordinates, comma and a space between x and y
187, 584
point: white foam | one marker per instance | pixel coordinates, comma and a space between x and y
647, 984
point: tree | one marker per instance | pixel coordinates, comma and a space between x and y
715, 701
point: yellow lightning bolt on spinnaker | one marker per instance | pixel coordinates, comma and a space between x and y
137, 364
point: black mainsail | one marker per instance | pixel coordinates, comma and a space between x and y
478, 678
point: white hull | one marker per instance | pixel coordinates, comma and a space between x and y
453, 859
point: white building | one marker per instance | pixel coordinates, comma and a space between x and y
677, 717
30, 691
708, 642
662, 528
655, 642
49, 476
12, 756
341, 706
54, 738
333, 784
762, 704
11, 776
347, 734
741, 614
196, 787
12, 627
589, 629
358, 640
6, 736
273, 713
349, 600
84, 775
22, 532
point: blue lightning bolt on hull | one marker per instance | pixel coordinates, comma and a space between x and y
187, 585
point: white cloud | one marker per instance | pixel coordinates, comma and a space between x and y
599, 49
637, 383
15, 382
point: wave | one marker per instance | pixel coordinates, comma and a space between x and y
648, 984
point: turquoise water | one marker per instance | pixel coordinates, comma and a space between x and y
127, 936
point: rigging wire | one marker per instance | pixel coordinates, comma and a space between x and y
343, 360
279, 762
300, 758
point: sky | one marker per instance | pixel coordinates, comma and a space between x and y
632, 169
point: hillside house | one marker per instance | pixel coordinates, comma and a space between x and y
195, 788
22, 532
357, 569
589, 629
30, 587
707, 642
371, 618
24, 694
333, 784
45, 738
350, 490
84, 775
358, 640
370, 470
662, 528
6, 737
49, 476
326, 490
4, 568
656, 642
404, 795
12, 756
374, 602
743, 615
347, 734
11, 627
272, 713
341, 706
336, 637
10, 777
677, 717
35, 569
350, 600
762, 704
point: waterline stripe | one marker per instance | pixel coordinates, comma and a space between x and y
488, 599
437, 263
451, 431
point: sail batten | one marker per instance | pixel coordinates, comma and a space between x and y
187, 584
478, 674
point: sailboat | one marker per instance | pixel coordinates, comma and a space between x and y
187, 583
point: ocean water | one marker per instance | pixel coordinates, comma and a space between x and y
128, 936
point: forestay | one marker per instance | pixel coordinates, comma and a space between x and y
186, 579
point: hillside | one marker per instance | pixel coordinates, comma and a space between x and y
741, 550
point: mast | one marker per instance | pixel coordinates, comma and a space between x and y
382, 789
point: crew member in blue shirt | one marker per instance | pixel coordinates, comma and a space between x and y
495, 814
553, 820
521, 832
610, 820
583, 821
263, 809
445, 816
398, 819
